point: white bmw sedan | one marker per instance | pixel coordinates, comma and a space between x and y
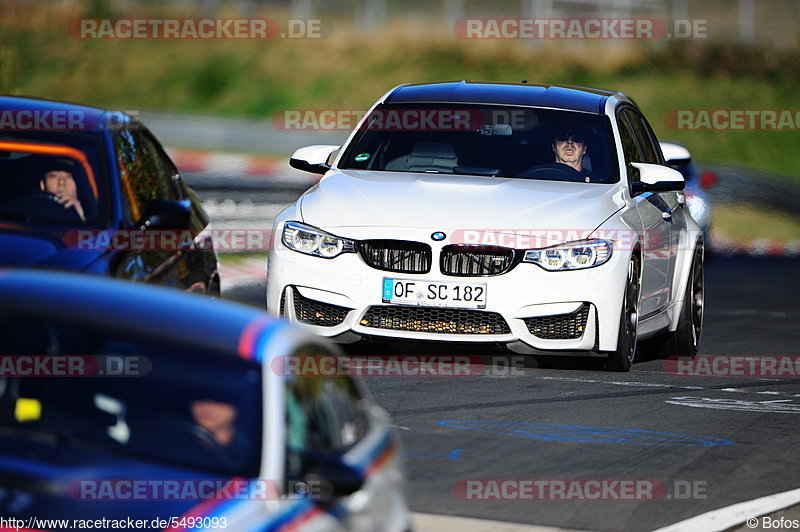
540, 217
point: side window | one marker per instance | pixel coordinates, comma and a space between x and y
129, 392
629, 147
324, 414
144, 172
644, 136
166, 169
654, 142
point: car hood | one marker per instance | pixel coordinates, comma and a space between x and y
358, 198
25, 246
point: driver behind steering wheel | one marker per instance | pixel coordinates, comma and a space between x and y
569, 146
59, 181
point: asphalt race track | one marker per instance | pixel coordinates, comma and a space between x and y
731, 438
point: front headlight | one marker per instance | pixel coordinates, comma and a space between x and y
312, 241
571, 256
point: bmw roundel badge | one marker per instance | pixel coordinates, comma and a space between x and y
438, 236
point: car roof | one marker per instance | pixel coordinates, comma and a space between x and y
524, 94
90, 114
140, 308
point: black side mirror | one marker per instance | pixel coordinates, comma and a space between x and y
166, 214
305, 166
639, 187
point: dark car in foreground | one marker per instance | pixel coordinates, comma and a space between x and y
91, 190
122, 402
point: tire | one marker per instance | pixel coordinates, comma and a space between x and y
686, 338
627, 349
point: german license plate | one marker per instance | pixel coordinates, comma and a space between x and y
434, 293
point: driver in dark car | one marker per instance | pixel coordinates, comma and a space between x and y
59, 182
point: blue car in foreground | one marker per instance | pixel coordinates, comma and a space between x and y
128, 403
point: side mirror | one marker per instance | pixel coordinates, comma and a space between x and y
166, 214
336, 478
657, 178
314, 159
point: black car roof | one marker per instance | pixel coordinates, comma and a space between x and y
525, 94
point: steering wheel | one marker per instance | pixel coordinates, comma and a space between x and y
45, 196
39, 205
557, 171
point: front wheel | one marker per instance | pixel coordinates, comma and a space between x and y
686, 338
622, 358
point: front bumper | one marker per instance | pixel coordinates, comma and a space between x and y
526, 308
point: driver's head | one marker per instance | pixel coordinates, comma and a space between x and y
569, 146
213, 415
58, 180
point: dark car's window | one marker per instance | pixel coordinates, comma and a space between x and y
185, 407
166, 168
497, 141
77, 196
146, 173
324, 414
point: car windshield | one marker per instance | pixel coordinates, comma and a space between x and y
140, 397
53, 178
496, 141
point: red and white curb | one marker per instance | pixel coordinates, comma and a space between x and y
211, 162
757, 247
250, 271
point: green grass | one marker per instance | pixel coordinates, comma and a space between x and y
347, 70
